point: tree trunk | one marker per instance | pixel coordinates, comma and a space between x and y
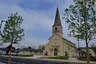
86, 31
9, 59
87, 53
86, 40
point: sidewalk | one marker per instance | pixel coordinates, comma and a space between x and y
69, 60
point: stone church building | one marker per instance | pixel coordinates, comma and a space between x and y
58, 45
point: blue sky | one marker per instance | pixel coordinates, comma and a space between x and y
38, 18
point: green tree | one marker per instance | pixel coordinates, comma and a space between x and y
81, 17
40, 48
30, 49
94, 48
12, 32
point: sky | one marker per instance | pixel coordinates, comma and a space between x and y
38, 18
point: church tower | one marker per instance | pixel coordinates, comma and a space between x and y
57, 27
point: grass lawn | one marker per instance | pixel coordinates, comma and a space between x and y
24, 55
84, 59
60, 57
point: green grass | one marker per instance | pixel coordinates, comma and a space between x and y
23, 55
60, 57
84, 59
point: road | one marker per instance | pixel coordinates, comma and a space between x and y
32, 61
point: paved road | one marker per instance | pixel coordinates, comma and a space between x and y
2, 63
32, 61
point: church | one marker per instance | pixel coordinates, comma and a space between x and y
58, 45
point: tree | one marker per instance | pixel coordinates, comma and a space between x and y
30, 49
81, 18
24, 49
8, 49
40, 48
94, 48
12, 32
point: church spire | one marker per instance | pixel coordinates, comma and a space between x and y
57, 27
57, 21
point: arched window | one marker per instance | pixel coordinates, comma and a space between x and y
46, 53
66, 54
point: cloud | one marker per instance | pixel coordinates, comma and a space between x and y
37, 15
9, 2
32, 20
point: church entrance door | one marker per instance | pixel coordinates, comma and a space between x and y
55, 52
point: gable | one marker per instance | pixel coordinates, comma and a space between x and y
53, 38
55, 35
59, 38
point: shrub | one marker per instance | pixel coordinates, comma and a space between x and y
82, 58
94, 59
63, 57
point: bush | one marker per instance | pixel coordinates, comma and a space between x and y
64, 57
94, 59
82, 58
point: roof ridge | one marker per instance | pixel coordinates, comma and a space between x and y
69, 41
